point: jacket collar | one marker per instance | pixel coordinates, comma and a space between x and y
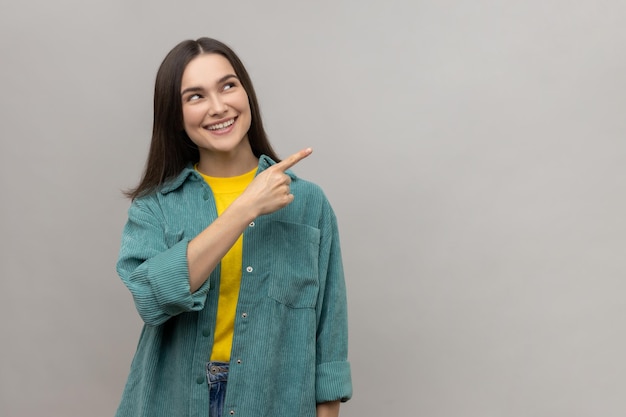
190, 173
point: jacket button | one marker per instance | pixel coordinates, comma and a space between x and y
200, 380
205, 196
251, 224
249, 269
206, 332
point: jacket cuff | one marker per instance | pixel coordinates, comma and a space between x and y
333, 382
169, 273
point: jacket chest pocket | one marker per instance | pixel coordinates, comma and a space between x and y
293, 254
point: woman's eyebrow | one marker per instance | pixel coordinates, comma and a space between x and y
191, 90
226, 77
196, 89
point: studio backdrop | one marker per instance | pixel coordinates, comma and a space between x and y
474, 153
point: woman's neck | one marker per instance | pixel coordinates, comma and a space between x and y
222, 164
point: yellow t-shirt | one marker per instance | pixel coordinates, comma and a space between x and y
226, 190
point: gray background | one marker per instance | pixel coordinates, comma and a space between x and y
474, 152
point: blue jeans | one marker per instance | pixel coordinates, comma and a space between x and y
217, 376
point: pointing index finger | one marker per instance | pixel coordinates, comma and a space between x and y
287, 163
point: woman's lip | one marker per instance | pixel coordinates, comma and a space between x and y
220, 122
224, 130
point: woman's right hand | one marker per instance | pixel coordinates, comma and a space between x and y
270, 190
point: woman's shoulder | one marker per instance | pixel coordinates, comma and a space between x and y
306, 185
172, 191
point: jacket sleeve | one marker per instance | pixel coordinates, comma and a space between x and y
153, 265
333, 377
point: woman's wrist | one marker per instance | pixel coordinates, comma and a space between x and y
329, 409
242, 209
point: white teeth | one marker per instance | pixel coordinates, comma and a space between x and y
221, 125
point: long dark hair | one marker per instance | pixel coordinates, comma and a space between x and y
171, 149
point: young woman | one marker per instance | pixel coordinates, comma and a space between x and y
233, 262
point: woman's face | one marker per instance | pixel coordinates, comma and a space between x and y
216, 111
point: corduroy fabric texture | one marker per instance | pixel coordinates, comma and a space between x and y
290, 341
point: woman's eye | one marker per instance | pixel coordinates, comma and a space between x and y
229, 86
194, 97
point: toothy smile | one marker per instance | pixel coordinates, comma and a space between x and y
222, 125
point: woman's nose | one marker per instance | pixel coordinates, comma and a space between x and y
217, 106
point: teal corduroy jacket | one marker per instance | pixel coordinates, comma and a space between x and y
290, 340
